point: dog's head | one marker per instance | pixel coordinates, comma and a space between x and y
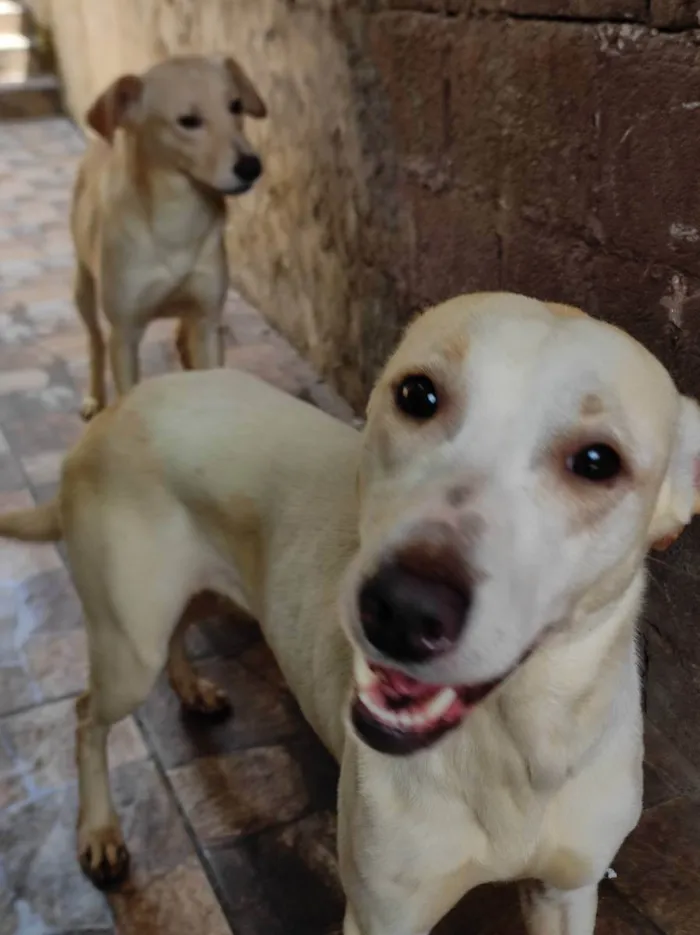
519, 460
187, 114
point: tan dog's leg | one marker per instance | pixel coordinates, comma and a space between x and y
549, 911
124, 356
182, 346
85, 296
119, 682
197, 695
390, 863
200, 343
132, 605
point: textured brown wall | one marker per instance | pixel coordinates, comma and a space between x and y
420, 148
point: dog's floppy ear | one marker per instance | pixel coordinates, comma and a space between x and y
112, 106
252, 103
679, 497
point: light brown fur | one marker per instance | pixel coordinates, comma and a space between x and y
149, 211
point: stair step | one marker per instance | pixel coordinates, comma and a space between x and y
17, 55
35, 96
13, 18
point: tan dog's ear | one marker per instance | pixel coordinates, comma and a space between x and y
111, 107
679, 497
252, 103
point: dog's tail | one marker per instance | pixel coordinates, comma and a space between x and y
40, 524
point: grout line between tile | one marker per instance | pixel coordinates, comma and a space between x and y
194, 840
25, 709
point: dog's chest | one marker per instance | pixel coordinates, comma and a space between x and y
183, 237
169, 267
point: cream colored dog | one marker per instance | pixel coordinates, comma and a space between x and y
149, 212
452, 595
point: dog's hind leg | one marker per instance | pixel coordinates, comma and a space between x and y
119, 682
130, 621
85, 296
549, 911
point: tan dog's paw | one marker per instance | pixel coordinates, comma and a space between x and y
89, 408
103, 856
204, 697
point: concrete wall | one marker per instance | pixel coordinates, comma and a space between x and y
418, 148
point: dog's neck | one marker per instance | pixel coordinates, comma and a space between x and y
177, 207
558, 707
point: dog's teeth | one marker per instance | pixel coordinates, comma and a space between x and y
364, 677
407, 720
441, 703
382, 714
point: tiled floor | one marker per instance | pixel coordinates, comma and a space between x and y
231, 824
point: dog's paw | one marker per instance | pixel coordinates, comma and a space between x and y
204, 697
103, 856
89, 408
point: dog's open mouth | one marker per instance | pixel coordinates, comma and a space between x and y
394, 713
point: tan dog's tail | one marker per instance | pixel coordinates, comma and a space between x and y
41, 524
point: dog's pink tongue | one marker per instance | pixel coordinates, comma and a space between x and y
398, 685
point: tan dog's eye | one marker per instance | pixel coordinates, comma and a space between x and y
417, 397
236, 107
190, 121
598, 462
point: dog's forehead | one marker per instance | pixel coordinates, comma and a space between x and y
515, 351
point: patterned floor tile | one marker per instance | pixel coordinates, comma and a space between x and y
41, 743
58, 663
282, 881
659, 866
179, 902
43, 890
667, 773
261, 716
20, 561
227, 797
45, 602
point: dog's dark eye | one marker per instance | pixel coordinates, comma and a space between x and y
190, 121
417, 397
595, 463
236, 107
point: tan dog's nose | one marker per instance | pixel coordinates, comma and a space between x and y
410, 617
248, 168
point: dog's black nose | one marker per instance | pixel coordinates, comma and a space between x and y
411, 618
248, 168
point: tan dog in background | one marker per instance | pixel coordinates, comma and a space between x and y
452, 595
149, 211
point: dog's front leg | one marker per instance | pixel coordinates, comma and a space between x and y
548, 911
124, 356
201, 342
399, 874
